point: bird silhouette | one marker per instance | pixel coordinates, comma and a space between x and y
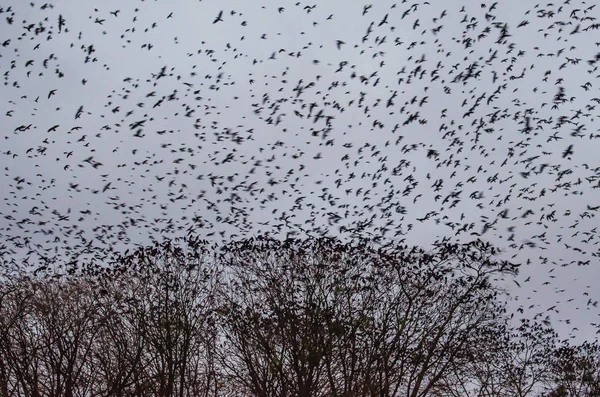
219, 17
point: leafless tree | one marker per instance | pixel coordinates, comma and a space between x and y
172, 306
268, 318
19, 345
321, 318
575, 370
48, 335
513, 362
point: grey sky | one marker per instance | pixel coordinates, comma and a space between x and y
219, 79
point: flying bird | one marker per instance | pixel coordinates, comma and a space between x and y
219, 17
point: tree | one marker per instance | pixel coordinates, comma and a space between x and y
19, 345
512, 362
318, 317
576, 370
141, 327
48, 337
268, 318
170, 304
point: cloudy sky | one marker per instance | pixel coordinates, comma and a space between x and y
124, 122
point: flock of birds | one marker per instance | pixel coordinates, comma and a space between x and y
405, 122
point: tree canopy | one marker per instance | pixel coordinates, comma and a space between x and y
264, 317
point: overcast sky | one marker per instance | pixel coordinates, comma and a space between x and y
137, 120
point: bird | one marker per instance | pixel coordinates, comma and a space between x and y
568, 151
219, 17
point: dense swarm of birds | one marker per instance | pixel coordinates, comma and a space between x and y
407, 122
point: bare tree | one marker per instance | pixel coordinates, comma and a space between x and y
66, 322
48, 334
514, 362
576, 370
173, 309
19, 345
270, 318
322, 318
142, 327
119, 343
440, 305
525, 360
